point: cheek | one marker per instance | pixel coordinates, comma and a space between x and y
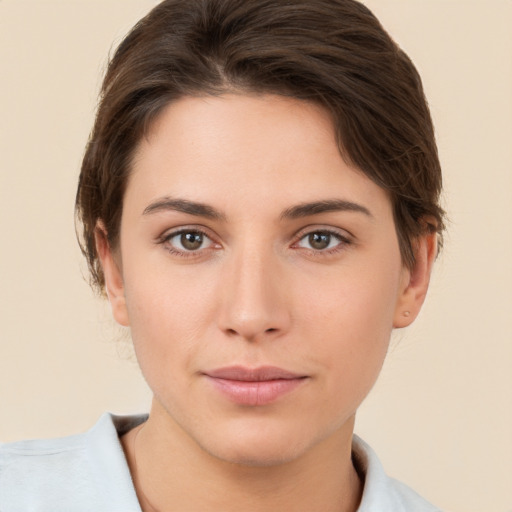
351, 320
169, 312
163, 331
354, 300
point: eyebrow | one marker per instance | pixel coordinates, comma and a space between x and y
328, 205
184, 206
294, 212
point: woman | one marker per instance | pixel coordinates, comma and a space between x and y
260, 203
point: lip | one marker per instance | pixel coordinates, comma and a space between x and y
254, 386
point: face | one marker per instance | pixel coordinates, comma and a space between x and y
260, 275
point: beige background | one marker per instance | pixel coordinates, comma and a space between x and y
440, 416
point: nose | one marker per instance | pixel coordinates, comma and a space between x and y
255, 304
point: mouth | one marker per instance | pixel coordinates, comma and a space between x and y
254, 386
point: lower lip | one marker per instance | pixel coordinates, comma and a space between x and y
255, 393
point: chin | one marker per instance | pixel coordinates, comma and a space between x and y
261, 455
260, 445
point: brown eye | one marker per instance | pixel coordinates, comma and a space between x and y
319, 241
188, 241
322, 241
191, 241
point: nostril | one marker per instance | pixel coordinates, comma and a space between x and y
234, 332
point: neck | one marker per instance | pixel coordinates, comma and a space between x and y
172, 473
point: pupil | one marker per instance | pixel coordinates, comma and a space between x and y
319, 240
191, 241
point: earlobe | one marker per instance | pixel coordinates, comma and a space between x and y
114, 284
416, 281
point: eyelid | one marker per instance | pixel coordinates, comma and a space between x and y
167, 235
322, 228
345, 238
186, 228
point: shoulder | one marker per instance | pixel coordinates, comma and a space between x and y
36, 472
72, 474
381, 492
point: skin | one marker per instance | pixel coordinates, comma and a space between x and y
255, 290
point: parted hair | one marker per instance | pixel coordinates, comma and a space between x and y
334, 53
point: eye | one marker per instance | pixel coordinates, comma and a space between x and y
188, 240
321, 240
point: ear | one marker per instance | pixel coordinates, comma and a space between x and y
415, 281
114, 284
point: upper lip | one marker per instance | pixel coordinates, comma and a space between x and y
262, 373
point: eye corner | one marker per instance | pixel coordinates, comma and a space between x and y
188, 242
322, 240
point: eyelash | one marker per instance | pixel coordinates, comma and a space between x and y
342, 242
165, 241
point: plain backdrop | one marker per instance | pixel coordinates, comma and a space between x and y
440, 416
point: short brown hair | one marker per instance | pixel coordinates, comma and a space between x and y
331, 52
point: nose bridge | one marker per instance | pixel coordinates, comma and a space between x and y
254, 304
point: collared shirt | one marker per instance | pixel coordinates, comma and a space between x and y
88, 472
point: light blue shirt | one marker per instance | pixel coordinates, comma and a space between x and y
88, 473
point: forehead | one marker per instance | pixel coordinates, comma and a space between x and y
239, 122
242, 147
